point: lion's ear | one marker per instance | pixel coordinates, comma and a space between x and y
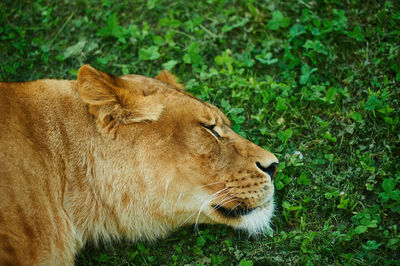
111, 104
169, 78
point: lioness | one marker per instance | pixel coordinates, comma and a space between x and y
106, 157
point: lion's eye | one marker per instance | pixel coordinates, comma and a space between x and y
211, 128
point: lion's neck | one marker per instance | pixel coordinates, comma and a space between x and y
97, 206
75, 137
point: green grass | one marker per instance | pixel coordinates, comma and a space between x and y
316, 82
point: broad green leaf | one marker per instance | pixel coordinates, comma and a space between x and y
330, 95
247, 60
303, 180
225, 104
331, 194
371, 245
73, 50
339, 23
192, 23
151, 4
133, 254
395, 195
367, 167
102, 60
372, 224
158, 40
150, 53
360, 229
321, 122
174, 23
372, 103
193, 54
201, 241
114, 29
327, 135
278, 21
369, 187
280, 104
285, 135
286, 204
306, 72
245, 262
224, 59
279, 185
328, 195
316, 46
241, 23
319, 161
344, 203
384, 196
170, 64
238, 120
296, 30
356, 34
388, 184
112, 20
92, 45
355, 116
102, 257
266, 59
393, 243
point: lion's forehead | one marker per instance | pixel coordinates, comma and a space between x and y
205, 111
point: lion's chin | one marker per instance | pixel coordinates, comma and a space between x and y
254, 221
259, 220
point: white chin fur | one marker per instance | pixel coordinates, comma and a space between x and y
258, 221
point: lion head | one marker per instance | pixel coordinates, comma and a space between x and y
164, 158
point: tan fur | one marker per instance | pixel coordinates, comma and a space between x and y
106, 157
169, 78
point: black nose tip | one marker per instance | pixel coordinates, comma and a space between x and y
270, 170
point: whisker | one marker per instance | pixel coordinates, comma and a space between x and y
216, 193
211, 198
226, 197
196, 224
235, 206
177, 200
216, 208
220, 204
231, 210
165, 197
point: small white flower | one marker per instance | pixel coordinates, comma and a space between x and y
341, 194
280, 121
298, 154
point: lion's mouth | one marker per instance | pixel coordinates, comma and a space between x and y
234, 212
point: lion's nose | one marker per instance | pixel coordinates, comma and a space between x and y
270, 169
